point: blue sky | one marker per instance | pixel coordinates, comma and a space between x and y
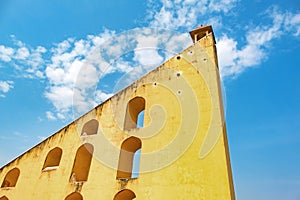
44, 43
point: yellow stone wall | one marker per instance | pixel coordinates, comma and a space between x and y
184, 145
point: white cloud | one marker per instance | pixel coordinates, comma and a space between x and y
101, 96
187, 13
227, 51
233, 57
78, 65
234, 60
175, 43
61, 97
5, 86
55, 75
22, 53
72, 72
27, 61
221, 5
41, 138
87, 77
61, 116
292, 23
63, 46
173, 15
146, 51
50, 116
6, 53
72, 68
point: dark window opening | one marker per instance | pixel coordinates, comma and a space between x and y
90, 127
11, 178
129, 159
53, 159
82, 163
134, 117
125, 195
4, 198
74, 196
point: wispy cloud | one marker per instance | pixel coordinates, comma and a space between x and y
41, 138
234, 60
6, 53
27, 61
74, 69
71, 74
50, 116
5, 86
77, 67
186, 13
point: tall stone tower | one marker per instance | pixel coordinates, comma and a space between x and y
163, 137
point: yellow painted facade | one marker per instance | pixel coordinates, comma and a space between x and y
184, 148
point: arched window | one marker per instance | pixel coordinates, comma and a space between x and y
82, 163
11, 178
124, 195
74, 196
132, 119
90, 127
129, 158
4, 198
53, 159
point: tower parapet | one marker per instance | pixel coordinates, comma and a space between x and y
204, 35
